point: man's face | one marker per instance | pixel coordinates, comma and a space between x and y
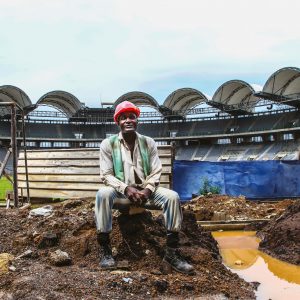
128, 122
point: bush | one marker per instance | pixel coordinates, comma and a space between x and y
207, 187
5, 185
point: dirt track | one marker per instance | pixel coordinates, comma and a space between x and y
137, 241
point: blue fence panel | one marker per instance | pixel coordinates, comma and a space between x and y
253, 179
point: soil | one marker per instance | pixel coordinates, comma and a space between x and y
226, 208
281, 236
138, 242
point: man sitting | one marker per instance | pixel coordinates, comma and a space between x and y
131, 169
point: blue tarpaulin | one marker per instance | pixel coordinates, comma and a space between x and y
252, 179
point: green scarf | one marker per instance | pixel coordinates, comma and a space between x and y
117, 156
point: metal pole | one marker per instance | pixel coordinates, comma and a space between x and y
14, 153
3, 165
25, 157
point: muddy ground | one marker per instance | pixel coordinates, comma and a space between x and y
138, 241
226, 208
281, 236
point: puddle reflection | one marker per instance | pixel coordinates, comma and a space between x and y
279, 280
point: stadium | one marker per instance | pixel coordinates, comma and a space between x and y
240, 122
241, 143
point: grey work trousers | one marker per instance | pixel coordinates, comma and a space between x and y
162, 198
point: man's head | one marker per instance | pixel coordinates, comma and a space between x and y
126, 115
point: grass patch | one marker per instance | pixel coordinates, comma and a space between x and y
5, 185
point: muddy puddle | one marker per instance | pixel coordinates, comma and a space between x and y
278, 280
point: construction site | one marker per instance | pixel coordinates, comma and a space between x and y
235, 170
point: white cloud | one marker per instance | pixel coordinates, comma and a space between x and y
107, 48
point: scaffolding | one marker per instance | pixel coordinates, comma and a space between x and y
13, 150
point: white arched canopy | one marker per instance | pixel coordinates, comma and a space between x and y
284, 82
184, 99
10, 93
235, 94
63, 101
139, 99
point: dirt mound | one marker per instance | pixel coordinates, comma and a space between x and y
225, 208
138, 242
281, 236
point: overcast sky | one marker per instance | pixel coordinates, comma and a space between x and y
98, 50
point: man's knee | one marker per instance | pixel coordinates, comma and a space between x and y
104, 194
170, 196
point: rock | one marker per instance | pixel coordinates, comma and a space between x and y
60, 258
238, 262
44, 211
123, 264
12, 268
48, 239
114, 251
5, 262
127, 279
161, 285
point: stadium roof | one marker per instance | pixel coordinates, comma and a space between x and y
138, 98
184, 99
63, 101
283, 85
10, 93
235, 97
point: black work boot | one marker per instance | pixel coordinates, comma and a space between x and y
107, 261
173, 257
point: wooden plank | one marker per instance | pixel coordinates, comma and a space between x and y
35, 193
71, 170
73, 162
60, 170
64, 185
58, 194
60, 163
72, 178
75, 153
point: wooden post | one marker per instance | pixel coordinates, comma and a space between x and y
14, 153
25, 158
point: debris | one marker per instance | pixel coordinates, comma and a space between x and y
26, 206
70, 231
225, 208
60, 258
44, 211
72, 203
5, 262
239, 262
12, 268
127, 279
26, 254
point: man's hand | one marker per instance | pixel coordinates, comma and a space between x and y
137, 197
145, 195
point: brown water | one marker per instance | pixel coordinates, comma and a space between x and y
278, 280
